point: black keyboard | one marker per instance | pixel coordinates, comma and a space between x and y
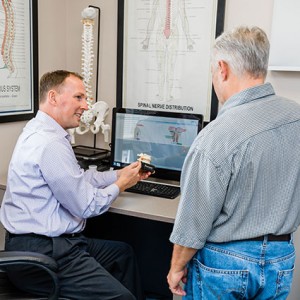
155, 189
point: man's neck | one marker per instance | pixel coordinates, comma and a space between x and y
237, 85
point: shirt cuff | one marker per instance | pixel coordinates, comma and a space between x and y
113, 190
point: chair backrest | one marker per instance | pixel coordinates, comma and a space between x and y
16, 259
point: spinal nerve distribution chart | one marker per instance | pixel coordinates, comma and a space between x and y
166, 54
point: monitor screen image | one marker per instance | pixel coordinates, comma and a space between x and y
165, 136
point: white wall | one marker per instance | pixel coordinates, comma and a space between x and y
60, 29
107, 56
60, 44
259, 13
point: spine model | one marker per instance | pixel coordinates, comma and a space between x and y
87, 58
92, 119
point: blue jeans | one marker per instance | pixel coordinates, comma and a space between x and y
241, 270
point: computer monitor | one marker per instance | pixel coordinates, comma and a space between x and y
165, 136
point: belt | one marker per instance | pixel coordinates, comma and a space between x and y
272, 238
66, 235
71, 235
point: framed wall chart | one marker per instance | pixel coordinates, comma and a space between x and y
164, 49
18, 60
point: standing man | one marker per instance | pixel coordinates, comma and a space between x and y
49, 197
240, 184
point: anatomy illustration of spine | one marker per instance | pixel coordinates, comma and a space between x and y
9, 36
167, 30
93, 118
164, 22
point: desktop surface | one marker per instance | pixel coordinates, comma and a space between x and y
146, 207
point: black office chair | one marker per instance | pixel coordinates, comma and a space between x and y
17, 258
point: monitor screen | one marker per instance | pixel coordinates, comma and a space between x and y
165, 136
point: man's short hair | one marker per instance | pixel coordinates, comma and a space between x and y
52, 80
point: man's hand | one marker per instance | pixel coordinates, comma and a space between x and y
130, 175
174, 278
178, 271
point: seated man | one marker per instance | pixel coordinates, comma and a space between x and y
49, 197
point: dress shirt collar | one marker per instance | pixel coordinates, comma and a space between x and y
45, 118
247, 96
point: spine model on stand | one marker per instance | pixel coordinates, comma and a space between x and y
93, 118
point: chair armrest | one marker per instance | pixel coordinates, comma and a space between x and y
15, 257
10, 258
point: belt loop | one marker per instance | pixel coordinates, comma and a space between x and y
265, 239
7, 237
292, 239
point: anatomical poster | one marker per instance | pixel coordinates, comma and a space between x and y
166, 55
16, 59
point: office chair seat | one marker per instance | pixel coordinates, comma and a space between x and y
14, 258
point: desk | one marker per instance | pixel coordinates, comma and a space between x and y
146, 207
145, 222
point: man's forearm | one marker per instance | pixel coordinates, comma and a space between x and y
178, 271
181, 256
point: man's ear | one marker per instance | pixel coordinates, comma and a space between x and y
224, 69
52, 97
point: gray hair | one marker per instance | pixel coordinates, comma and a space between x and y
245, 50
